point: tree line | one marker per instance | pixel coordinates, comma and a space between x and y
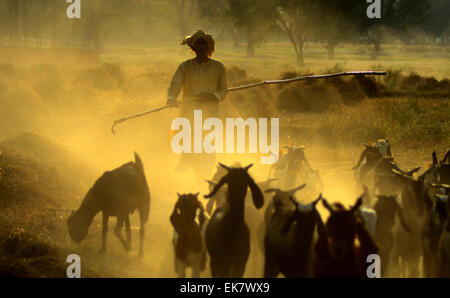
143, 22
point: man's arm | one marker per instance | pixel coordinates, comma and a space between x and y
175, 86
223, 85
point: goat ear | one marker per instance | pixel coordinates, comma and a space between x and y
447, 155
327, 205
217, 187
178, 194
257, 196
434, 156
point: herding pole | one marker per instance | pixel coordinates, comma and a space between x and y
267, 82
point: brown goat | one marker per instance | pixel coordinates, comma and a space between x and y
116, 193
188, 241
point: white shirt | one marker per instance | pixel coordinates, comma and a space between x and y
195, 78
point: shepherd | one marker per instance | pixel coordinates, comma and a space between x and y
204, 84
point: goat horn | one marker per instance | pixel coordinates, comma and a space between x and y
293, 200
434, 157
400, 174
314, 203
200, 206
269, 190
248, 167
210, 182
327, 205
357, 205
440, 185
270, 180
412, 171
224, 166
293, 191
366, 190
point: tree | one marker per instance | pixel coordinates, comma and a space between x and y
254, 18
336, 23
187, 14
298, 19
396, 16
438, 22
218, 15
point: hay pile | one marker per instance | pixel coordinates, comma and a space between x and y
324, 95
35, 201
415, 82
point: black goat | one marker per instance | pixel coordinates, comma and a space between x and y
336, 253
116, 193
188, 241
227, 235
387, 209
289, 239
444, 245
437, 174
432, 235
416, 205
284, 204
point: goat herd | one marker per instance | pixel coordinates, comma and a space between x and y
402, 218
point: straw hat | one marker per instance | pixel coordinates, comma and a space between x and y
200, 34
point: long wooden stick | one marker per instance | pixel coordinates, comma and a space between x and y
268, 82
325, 76
135, 116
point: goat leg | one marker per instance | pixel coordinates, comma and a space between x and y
118, 232
104, 232
128, 229
141, 238
196, 267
